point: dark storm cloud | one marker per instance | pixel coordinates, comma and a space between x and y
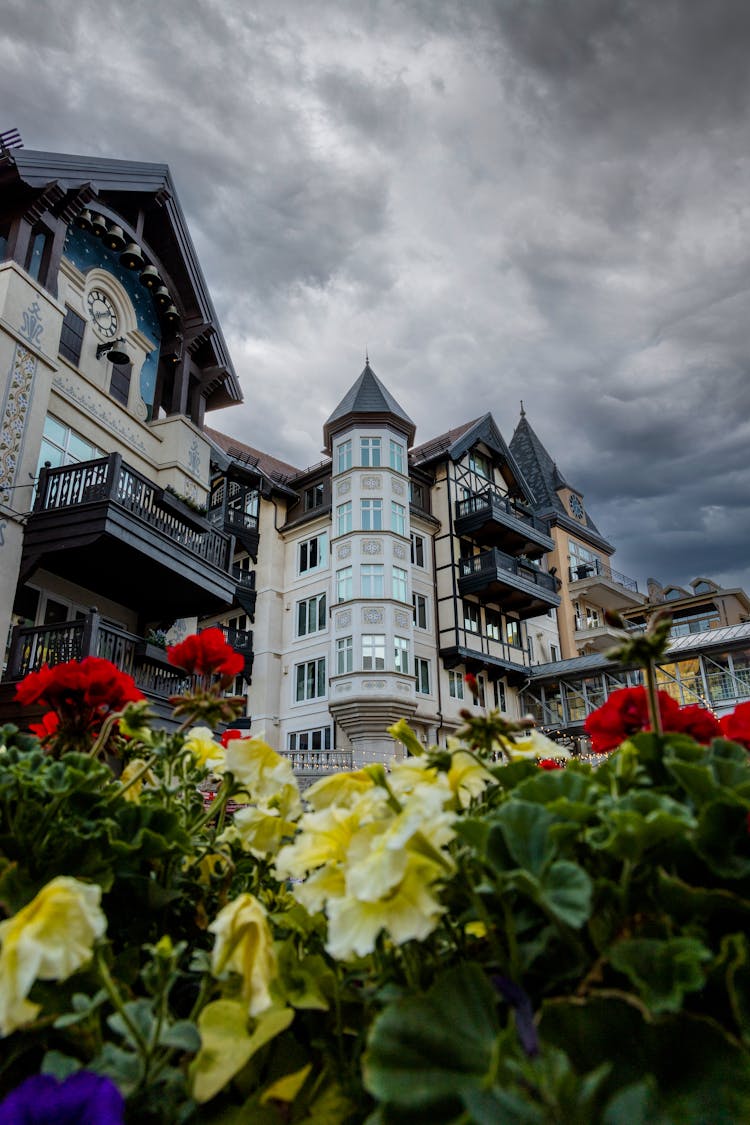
502, 200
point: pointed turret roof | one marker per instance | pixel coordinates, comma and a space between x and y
367, 399
545, 479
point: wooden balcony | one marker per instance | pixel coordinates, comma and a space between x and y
105, 526
512, 583
491, 519
33, 646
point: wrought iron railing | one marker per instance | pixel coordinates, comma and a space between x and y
490, 498
489, 562
319, 761
589, 569
110, 479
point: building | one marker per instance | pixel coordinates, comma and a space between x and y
581, 556
382, 576
110, 355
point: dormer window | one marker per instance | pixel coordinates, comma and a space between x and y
480, 465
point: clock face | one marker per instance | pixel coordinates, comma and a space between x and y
576, 507
102, 313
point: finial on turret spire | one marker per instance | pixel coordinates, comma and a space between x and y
523, 412
367, 356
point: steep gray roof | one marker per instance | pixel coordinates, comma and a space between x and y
545, 478
455, 443
368, 396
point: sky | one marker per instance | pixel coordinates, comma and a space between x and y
545, 200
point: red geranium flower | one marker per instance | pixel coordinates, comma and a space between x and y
471, 682
696, 722
203, 654
549, 764
47, 727
624, 714
80, 694
736, 725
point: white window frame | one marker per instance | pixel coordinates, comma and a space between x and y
314, 609
455, 684
371, 514
401, 655
422, 676
344, 655
344, 584
420, 607
418, 543
344, 455
400, 584
369, 452
373, 652
321, 549
372, 580
398, 518
296, 738
397, 456
344, 518
314, 685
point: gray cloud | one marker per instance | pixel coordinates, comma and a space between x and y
501, 200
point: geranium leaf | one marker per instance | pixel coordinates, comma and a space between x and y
425, 1049
565, 890
662, 971
525, 828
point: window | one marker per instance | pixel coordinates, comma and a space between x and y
373, 652
398, 518
397, 456
499, 690
369, 452
422, 675
40, 240
311, 615
317, 739
314, 497
419, 601
479, 464
119, 384
71, 336
513, 632
344, 584
472, 620
313, 553
417, 495
493, 624
401, 655
310, 680
344, 518
372, 515
344, 458
399, 579
455, 685
553, 653
583, 563
344, 656
417, 549
62, 446
372, 578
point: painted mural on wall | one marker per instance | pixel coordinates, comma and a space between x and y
14, 417
86, 252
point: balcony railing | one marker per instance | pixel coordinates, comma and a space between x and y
319, 761
110, 479
488, 563
33, 646
481, 502
600, 569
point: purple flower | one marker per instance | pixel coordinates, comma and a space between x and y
81, 1099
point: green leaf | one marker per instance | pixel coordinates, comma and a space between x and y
140, 1014
662, 971
226, 1043
424, 1049
60, 1066
638, 822
633, 1105
525, 830
183, 1035
565, 892
490, 1107
722, 839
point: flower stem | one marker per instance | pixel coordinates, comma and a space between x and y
653, 698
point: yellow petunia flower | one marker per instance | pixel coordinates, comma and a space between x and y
133, 788
467, 777
204, 748
49, 939
244, 945
258, 768
259, 830
340, 789
534, 744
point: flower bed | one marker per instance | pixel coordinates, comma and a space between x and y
460, 937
